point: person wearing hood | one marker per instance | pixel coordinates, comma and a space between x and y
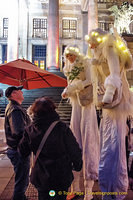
59, 155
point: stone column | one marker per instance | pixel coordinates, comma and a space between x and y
53, 36
0, 54
12, 48
92, 15
85, 29
23, 26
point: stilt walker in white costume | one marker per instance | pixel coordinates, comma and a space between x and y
111, 59
83, 119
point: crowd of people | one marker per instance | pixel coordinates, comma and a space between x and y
94, 146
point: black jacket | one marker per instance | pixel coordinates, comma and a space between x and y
60, 142
16, 119
131, 170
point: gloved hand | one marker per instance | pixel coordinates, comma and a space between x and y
109, 94
64, 94
77, 85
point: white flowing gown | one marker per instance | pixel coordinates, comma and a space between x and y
110, 72
84, 121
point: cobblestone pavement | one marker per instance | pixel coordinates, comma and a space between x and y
31, 192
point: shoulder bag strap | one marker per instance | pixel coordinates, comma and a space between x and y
47, 133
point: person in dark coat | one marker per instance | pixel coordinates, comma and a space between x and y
60, 149
131, 176
16, 119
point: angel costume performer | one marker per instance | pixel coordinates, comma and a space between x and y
83, 118
111, 59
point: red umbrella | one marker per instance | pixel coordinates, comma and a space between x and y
23, 72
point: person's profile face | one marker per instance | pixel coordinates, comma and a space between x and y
18, 94
71, 57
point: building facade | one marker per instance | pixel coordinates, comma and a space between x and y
39, 30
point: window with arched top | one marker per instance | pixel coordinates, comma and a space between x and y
131, 27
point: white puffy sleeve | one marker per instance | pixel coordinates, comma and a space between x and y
113, 81
79, 84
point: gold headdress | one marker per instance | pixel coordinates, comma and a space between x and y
71, 50
96, 36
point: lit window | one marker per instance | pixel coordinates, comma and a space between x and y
42, 64
39, 56
4, 53
69, 28
36, 62
40, 28
5, 27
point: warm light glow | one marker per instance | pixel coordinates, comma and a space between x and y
96, 34
42, 64
92, 33
77, 50
99, 39
104, 38
57, 57
67, 52
36, 62
121, 45
125, 51
72, 50
87, 38
53, 35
